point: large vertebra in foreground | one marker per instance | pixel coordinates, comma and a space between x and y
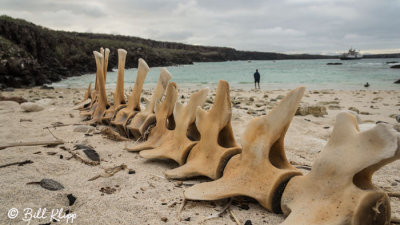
261, 170
339, 190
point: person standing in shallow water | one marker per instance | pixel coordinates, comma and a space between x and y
256, 79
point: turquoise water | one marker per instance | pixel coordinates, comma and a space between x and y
279, 74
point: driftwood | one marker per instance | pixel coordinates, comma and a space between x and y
219, 214
79, 157
32, 143
17, 163
234, 216
109, 172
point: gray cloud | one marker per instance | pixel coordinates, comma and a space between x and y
308, 26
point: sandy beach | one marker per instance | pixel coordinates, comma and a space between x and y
145, 196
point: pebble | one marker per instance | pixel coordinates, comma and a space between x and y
251, 111
51, 185
334, 107
397, 127
31, 107
354, 109
178, 183
398, 118
9, 89
45, 102
244, 206
164, 219
315, 110
47, 87
71, 199
248, 222
107, 190
83, 129
144, 100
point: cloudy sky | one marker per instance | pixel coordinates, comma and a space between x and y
289, 26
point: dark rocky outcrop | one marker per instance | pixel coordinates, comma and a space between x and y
397, 81
395, 66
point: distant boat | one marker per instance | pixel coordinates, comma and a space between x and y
351, 54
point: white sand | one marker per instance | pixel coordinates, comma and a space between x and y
145, 197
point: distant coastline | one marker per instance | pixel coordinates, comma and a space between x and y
31, 55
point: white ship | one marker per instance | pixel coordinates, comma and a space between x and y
351, 54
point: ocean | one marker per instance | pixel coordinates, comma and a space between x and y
275, 74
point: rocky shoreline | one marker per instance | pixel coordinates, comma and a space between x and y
31, 55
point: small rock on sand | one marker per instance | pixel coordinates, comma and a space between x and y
51, 185
354, 109
71, 199
334, 107
397, 127
31, 107
315, 110
83, 129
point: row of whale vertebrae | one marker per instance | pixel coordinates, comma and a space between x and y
337, 191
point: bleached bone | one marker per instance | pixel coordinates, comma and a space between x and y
217, 143
123, 113
261, 170
86, 99
163, 131
91, 108
338, 189
105, 64
119, 98
102, 103
184, 136
88, 93
141, 121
